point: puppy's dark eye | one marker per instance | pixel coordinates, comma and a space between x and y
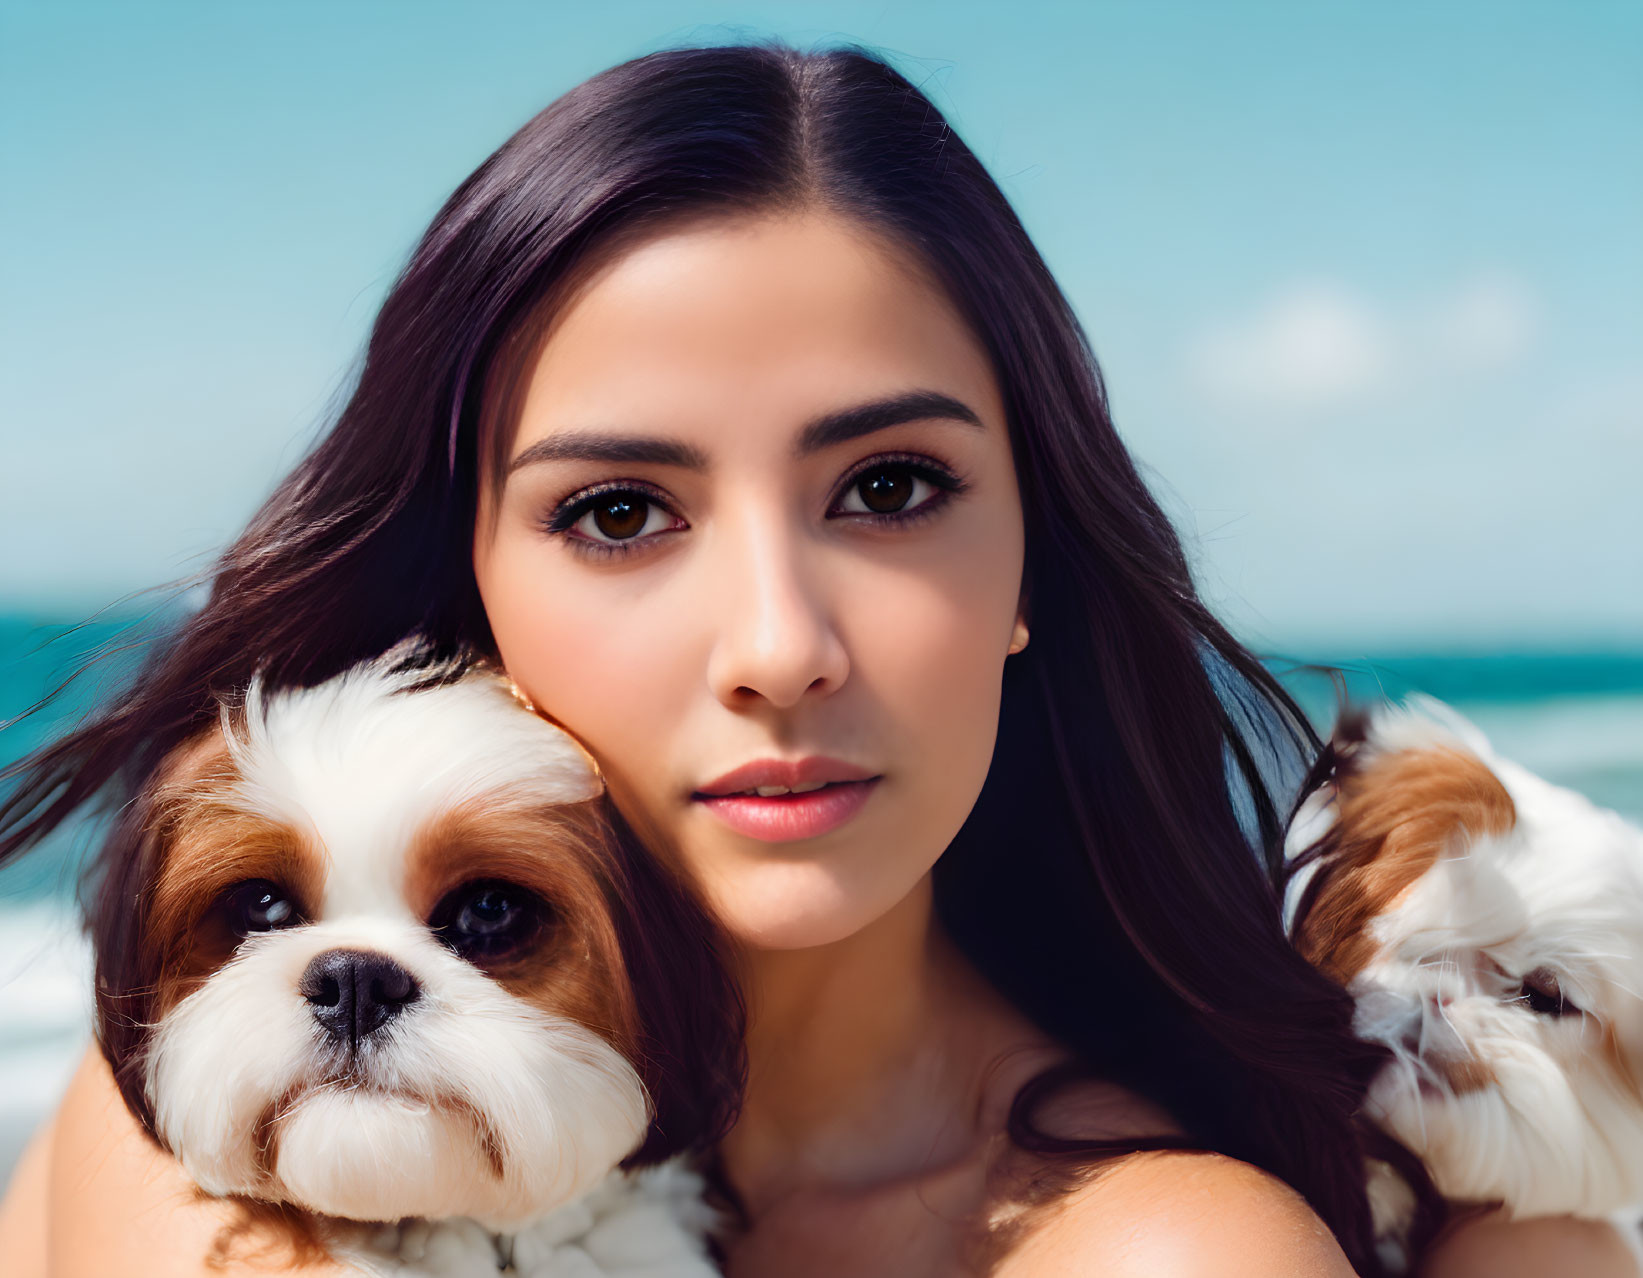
489, 919
258, 905
1544, 994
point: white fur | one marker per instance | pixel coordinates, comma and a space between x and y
645, 1225
565, 1104
1561, 1129
361, 763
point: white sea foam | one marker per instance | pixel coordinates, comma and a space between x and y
45, 1016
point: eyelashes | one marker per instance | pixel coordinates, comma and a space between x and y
626, 496
635, 502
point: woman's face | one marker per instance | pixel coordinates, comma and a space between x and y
760, 505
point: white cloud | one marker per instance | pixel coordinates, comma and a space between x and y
1317, 345
1482, 326
1605, 408
1311, 345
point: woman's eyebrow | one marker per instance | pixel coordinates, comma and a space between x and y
878, 414
832, 428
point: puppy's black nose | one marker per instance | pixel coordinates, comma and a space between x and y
354, 992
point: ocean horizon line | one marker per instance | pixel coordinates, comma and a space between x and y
25, 617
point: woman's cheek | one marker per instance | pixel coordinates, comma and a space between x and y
566, 641
926, 643
944, 665
955, 703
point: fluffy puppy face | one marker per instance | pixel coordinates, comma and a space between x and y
378, 958
1490, 925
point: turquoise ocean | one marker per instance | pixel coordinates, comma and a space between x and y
1574, 717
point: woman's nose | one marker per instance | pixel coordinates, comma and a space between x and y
775, 635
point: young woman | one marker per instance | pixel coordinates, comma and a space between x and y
729, 406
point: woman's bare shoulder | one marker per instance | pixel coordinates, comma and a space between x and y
1180, 1215
116, 1203
23, 1209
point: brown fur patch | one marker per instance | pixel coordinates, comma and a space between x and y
1464, 1073
1620, 1060
486, 1136
1395, 816
265, 1134
206, 844
564, 853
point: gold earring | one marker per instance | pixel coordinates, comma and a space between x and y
519, 695
1018, 637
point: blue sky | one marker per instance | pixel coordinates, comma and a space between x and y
1366, 280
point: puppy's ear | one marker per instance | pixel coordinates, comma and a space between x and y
1402, 790
127, 965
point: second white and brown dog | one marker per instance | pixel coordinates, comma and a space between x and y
1490, 926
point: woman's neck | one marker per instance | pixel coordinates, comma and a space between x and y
867, 1057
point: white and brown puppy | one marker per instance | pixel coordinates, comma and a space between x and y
368, 953
1490, 926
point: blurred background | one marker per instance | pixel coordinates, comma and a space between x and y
1365, 280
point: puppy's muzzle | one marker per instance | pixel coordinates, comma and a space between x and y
354, 993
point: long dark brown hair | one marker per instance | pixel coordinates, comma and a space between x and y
1117, 876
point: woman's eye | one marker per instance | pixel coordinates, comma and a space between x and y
258, 905
897, 491
885, 490
609, 521
621, 518
489, 920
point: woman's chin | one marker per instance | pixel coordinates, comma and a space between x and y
796, 905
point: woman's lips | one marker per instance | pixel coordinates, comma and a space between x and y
784, 817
